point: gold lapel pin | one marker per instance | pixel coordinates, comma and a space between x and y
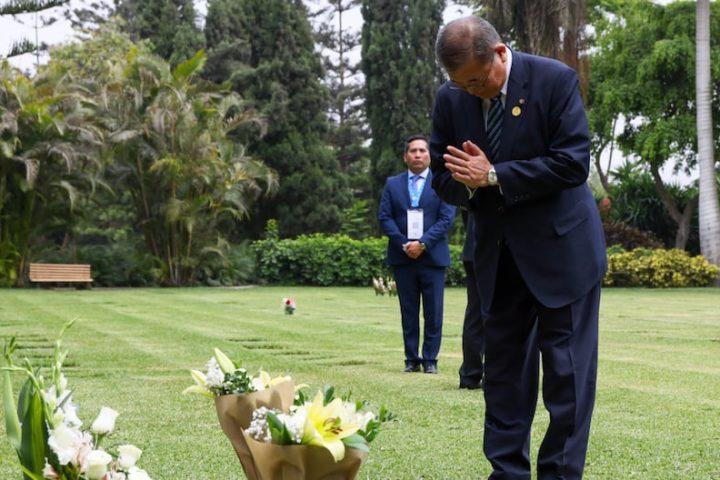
516, 111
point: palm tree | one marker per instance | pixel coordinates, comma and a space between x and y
171, 139
46, 162
709, 208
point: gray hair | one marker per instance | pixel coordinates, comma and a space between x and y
463, 39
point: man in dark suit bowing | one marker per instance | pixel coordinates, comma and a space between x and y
510, 142
416, 223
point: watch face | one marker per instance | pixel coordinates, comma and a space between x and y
492, 177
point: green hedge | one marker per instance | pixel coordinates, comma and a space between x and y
338, 260
330, 260
658, 268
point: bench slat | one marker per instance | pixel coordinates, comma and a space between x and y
59, 272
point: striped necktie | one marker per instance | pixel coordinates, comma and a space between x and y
494, 126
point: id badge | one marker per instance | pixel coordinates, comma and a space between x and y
415, 223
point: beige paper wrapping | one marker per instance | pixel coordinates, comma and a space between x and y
302, 462
235, 415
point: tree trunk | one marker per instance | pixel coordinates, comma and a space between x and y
709, 209
682, 219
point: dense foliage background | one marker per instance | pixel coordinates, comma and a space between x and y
162, 145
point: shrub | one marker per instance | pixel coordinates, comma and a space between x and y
326, 260
658, 269
629, 237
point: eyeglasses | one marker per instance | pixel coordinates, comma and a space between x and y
475, 84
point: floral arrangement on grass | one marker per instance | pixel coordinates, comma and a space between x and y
289, 306
326, 421
225, 377
48, 436
276, 430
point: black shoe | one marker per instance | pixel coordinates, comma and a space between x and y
430, 368
471, 385
412, 367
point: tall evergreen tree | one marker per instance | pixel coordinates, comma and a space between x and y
338, 41
266, 49
17, 7
348, 133
401, 76
168, 24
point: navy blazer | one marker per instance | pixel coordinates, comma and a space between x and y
545, 213
438, 218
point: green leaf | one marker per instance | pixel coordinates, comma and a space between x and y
226, 365
328, 394
34, 431
190, 67
357, 442
278, 430
12, 423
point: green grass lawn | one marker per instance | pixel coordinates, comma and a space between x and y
657, 414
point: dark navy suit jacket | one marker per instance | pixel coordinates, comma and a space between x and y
545, 214
438, 218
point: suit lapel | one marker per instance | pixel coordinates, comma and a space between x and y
515, 101
404, 187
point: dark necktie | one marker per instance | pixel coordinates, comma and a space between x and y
494, 126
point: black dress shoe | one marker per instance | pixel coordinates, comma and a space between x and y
411, 367
471, 385
430, 368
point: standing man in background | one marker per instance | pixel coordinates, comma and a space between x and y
510, 142
417, 223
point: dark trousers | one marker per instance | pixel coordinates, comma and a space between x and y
415, 281
567, 338
473, 335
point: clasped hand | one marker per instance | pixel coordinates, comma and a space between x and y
413, 249
469, 166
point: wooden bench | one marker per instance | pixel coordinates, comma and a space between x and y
60, 272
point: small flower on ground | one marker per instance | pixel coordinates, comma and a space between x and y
289, 305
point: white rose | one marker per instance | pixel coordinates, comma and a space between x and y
96, 464
66, 443
128, 455
105, 421
116, 476
136, 473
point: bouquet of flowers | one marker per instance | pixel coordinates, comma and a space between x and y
237, 394
276, 430
49, 439
289, 306
284, 445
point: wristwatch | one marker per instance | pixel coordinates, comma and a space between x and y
422, 246
492, 177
